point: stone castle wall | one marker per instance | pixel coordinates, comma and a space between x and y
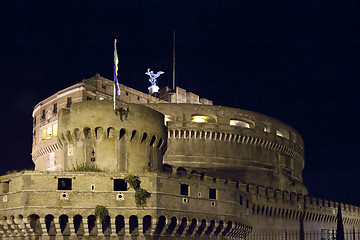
254, 153
130, 138
47, 211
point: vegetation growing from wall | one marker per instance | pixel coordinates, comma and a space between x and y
83, 167
18, 171
101, 212
141, 195
122, 113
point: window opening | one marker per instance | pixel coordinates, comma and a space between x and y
88, 98
68, 102
266, 129
169, 118
240, 123
5, 186
103, 86
101, 98
120, 185
43, 114
184, 190
202, 119
212, 193
55, 108
64, 184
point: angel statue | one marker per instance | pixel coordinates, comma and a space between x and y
153, 76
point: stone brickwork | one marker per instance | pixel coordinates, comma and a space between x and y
213, 172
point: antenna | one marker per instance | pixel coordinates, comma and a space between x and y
174, 62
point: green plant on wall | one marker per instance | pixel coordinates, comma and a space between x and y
133, 181
122, 113
141, 195
101, 212
83, 167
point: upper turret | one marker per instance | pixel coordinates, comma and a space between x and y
127, 139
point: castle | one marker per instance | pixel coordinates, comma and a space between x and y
213, 172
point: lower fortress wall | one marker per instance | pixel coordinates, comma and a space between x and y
33, 207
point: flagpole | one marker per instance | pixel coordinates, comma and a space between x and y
174, 62
114, 74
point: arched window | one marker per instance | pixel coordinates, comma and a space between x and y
169, 118
241, 123
202, 119
282, 133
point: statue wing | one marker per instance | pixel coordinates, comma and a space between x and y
158, 74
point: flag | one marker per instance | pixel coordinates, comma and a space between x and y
116, 62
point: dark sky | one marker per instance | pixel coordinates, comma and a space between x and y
297, 61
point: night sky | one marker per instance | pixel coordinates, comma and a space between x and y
297, 61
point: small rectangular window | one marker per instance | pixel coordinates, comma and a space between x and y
247, 203
212, 193
34, 120
64, 184
88, 98
103, 86
126, 93
5, 187
241, 200
43, 114
55, 108
184, 190
120, 185
101, 98
68, 102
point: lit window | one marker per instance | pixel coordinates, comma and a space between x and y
49, 132
279, 133
202, 119
282, 134
266, 129
101, 98
43, 134
55, 129
240, 123
169, 118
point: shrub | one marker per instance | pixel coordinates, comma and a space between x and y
133, 181
141, 196
83, 167
101, 212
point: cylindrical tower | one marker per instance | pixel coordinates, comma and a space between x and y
232, 143
127, 139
